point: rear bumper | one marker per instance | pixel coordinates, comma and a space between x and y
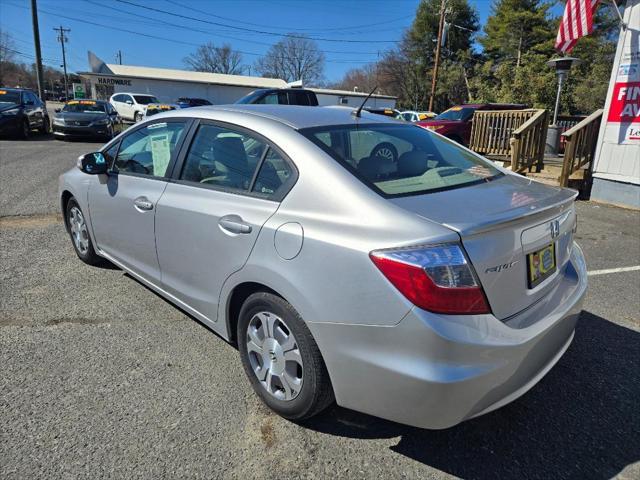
434, 371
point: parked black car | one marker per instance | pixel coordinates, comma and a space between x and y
21, 111
186, 102
86, 118
282, 96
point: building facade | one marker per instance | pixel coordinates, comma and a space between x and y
167, 85
616, 167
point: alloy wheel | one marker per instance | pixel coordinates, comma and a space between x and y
79, 231
274, 356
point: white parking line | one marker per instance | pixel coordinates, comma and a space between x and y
613, 270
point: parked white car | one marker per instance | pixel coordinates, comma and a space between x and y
132, 106
411, 116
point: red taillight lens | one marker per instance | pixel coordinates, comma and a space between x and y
438, 278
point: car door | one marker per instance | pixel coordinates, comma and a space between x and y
123, 203
209, 217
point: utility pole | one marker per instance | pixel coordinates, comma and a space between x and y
62, 38
119, 57
36, 42
436, 63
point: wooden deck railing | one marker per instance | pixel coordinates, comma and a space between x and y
580, 146
528, 141
491, 130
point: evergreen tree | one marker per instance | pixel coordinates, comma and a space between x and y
516, 27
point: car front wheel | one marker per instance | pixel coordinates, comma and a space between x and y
79, 232
281, 358
138, 117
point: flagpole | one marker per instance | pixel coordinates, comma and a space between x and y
615, 7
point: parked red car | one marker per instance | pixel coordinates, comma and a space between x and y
455, 123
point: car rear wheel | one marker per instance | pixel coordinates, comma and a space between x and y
79, 232
281, 358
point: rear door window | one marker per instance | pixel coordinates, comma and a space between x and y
223, 158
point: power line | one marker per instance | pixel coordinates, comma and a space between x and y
209, 32
262, 32
385, 22
109, 27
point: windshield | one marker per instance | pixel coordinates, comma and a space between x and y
7, 96
84, 107
399, 160
457, 113
145, 99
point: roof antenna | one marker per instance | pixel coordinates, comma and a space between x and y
358, 112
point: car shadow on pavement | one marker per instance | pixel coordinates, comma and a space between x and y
581, 421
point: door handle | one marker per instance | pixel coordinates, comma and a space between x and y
234, 224
143, 203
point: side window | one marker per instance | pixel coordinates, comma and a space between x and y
148, 150
127, 98
298, 98
223, 158
30, 98
273, 175
117, 98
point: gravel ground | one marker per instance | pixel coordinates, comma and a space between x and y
101, 378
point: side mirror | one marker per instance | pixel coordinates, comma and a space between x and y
93, 163
58, 110
29, 103
129, 102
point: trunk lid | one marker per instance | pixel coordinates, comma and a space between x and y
500, 222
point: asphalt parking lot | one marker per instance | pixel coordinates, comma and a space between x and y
102, 378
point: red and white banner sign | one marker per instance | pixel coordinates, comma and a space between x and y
625, 103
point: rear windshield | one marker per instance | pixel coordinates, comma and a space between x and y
456, 113
145, 100
400, 160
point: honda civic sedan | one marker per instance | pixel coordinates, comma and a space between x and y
427, 288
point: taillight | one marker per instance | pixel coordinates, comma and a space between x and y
436, 278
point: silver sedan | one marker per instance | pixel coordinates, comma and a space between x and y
350, 258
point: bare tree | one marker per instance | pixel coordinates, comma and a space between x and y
295, 57
362, 79
209, 58
7, 47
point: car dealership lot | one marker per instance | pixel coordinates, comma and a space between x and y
103, 378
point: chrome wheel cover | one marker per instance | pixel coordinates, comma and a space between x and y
79, 232
385, 153
274, 356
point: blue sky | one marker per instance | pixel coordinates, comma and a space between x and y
354, 32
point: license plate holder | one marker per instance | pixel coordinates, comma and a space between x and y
541, 264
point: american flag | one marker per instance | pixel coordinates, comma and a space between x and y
577, 21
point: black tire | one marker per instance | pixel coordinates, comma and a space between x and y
25, 129
90, 257
385, 150
137, 117
45, 127
316, 393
